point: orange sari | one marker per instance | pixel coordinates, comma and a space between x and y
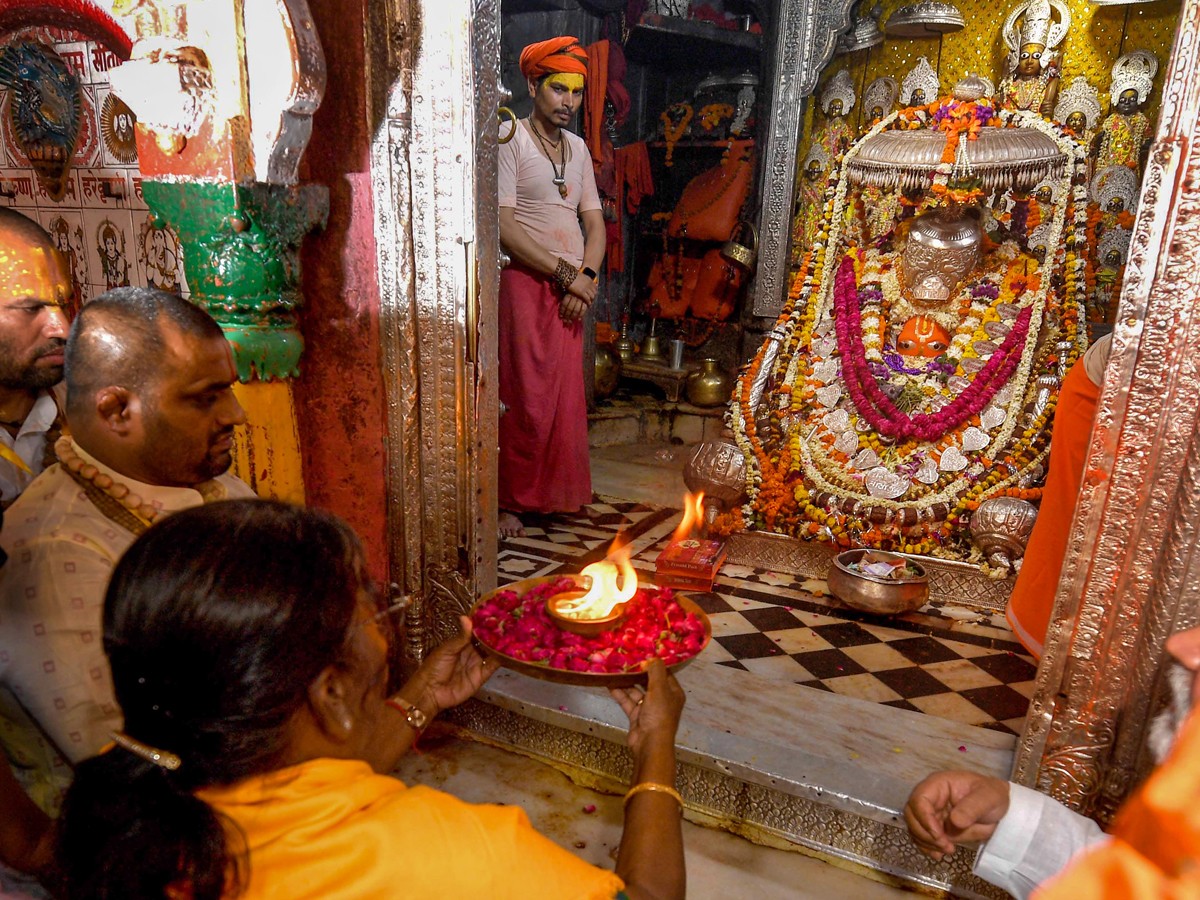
333, 829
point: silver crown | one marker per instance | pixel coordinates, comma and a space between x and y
1116, 183
1037, 24
923, 78
928, 18
882, 93
817, 154
1117, 239
1079, 96
1134, 71
1039, 238
839, 87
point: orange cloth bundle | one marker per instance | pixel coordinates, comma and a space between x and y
593, 100
634, 181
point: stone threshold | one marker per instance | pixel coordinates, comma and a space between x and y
781, 764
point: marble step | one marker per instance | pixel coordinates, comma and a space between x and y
781, 764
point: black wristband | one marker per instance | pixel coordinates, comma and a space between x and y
590, 273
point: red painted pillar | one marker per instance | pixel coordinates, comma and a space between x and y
339, 394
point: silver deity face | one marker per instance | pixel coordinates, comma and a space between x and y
940, 252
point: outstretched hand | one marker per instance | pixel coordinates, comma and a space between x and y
950, 808
450, 674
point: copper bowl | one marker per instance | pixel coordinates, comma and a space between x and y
585, 679
871, 593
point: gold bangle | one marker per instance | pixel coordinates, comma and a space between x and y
654, 786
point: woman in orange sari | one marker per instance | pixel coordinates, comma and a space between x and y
248, 657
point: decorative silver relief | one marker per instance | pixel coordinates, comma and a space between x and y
1130, 576
804, 42
433, 171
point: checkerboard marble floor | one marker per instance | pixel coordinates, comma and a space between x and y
941, 660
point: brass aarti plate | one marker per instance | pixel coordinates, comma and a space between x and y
583, 679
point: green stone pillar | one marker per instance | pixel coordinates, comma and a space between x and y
241, 257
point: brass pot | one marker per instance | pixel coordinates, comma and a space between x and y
886, 596
652, 349
710, 386
624, 346
608, 371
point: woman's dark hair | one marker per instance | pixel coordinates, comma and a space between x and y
216, 622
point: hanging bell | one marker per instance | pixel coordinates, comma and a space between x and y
740, 254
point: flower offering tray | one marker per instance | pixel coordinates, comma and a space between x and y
689, 626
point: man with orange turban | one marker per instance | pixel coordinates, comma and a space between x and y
547, 189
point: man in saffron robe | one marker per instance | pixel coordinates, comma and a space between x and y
547, 191
1034, 846
1032, 598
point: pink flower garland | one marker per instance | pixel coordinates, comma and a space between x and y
877, 408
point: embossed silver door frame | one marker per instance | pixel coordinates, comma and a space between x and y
1131, 574
804, 42
433, 75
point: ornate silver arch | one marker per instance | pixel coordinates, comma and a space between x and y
805, 36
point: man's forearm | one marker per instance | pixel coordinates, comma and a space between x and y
523, 248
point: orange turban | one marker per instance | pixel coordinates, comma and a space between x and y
560, 54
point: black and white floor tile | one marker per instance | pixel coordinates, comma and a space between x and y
942, 660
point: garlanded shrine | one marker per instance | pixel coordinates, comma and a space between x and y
913, 373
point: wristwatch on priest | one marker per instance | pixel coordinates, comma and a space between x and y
416, 719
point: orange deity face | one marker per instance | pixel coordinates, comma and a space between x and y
922, 336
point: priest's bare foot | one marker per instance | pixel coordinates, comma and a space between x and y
510, 525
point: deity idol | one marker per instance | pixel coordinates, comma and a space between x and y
920, 85
1125, 133
1115, 191
1110, 270
913, 377
837, 99
1078, 110
1032, 79
810, 191
879, 99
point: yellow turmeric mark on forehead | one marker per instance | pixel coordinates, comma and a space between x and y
571, 81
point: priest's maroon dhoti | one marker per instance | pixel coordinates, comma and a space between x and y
543, 435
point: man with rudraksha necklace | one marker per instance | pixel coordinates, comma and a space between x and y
552, 225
